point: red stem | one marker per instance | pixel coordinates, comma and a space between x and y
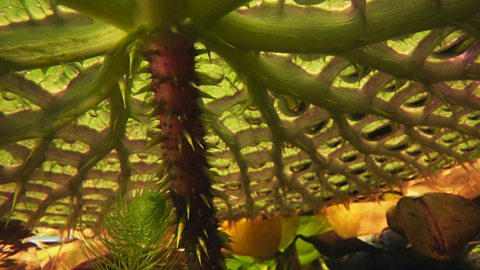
172, 67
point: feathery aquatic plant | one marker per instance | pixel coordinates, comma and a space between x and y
134, 233
301, 103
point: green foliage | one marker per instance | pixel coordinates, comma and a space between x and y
308, 226
134, 235
306, 101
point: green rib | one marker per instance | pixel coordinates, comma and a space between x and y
35, 45
314, 30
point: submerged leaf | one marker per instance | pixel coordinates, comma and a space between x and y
332, 245
258, 237
437, 225
361, 218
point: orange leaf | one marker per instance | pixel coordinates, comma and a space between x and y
257, 237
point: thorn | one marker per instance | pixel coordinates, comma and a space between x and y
189, 138
226, 240
188, 208
205, 200
122, 85
180, 228
199, 255
180, 145
162, 183
16, 195
155, 140
200, 144
163, 170
170, 240
203, 245
219, 194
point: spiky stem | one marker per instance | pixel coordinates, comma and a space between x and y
171, 58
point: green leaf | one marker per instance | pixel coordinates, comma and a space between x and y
117, 12
36, 45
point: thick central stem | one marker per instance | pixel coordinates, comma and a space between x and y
171, 60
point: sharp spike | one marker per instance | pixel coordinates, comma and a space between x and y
209, 145
16, 195
155, 140
220, 194
162, 182
180, 145
122, 84
200, 144
189, 138
170, 240
205, 200
188, 208
226, 240
203, 245
199, 254
180, 228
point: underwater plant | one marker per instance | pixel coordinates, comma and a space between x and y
134, 233
239, 108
